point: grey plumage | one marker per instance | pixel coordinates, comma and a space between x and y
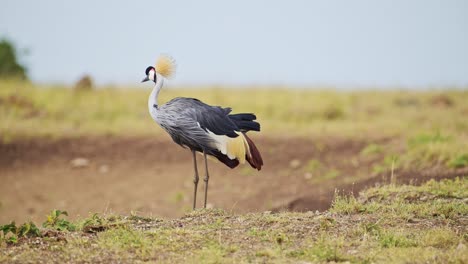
192, 114
188, 121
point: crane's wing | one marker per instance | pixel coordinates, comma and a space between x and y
228, 132
226, 135
215, 119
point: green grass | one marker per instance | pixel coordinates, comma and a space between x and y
426, 132
458, 161
372, 149
410, 202
391, 223
371, 228
113, 109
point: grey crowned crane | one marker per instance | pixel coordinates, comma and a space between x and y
211, 130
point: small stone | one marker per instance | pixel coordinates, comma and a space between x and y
79, 162
295, 163
309, 213
308, 176
103, 169
188, 184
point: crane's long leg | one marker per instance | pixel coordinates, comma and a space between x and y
207, 177
195, 179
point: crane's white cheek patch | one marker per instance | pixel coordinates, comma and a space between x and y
151, 75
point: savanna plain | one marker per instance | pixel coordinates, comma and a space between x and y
362, 176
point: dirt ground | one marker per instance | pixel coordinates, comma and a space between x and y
154, 176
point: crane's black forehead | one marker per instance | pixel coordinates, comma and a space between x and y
149, 69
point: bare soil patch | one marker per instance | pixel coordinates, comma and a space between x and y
153, 176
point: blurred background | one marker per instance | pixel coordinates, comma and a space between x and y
349, 94
346, 44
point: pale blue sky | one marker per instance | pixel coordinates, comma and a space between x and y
345, 43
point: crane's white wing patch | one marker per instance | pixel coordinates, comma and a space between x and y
234, 148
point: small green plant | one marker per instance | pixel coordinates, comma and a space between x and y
6, 230
313, 165
93, 220
378, 168
346, 205
390, 163
28, 229
389, 239
10, 232
371, 149
93, 223
55, 222
459, 161
178, 197
331, 174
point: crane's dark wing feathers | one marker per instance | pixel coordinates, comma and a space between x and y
245, 122
243, 117
211, 118
219, 120
215, 119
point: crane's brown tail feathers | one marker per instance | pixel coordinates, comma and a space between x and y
245, 122
255, 159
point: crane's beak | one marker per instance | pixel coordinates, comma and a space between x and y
145, 79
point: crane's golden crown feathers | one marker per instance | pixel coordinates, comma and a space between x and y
166, 66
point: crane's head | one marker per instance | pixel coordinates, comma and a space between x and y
150, 74
165, 67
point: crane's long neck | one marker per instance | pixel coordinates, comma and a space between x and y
153, 98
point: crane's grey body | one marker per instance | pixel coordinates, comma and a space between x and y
185, 120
